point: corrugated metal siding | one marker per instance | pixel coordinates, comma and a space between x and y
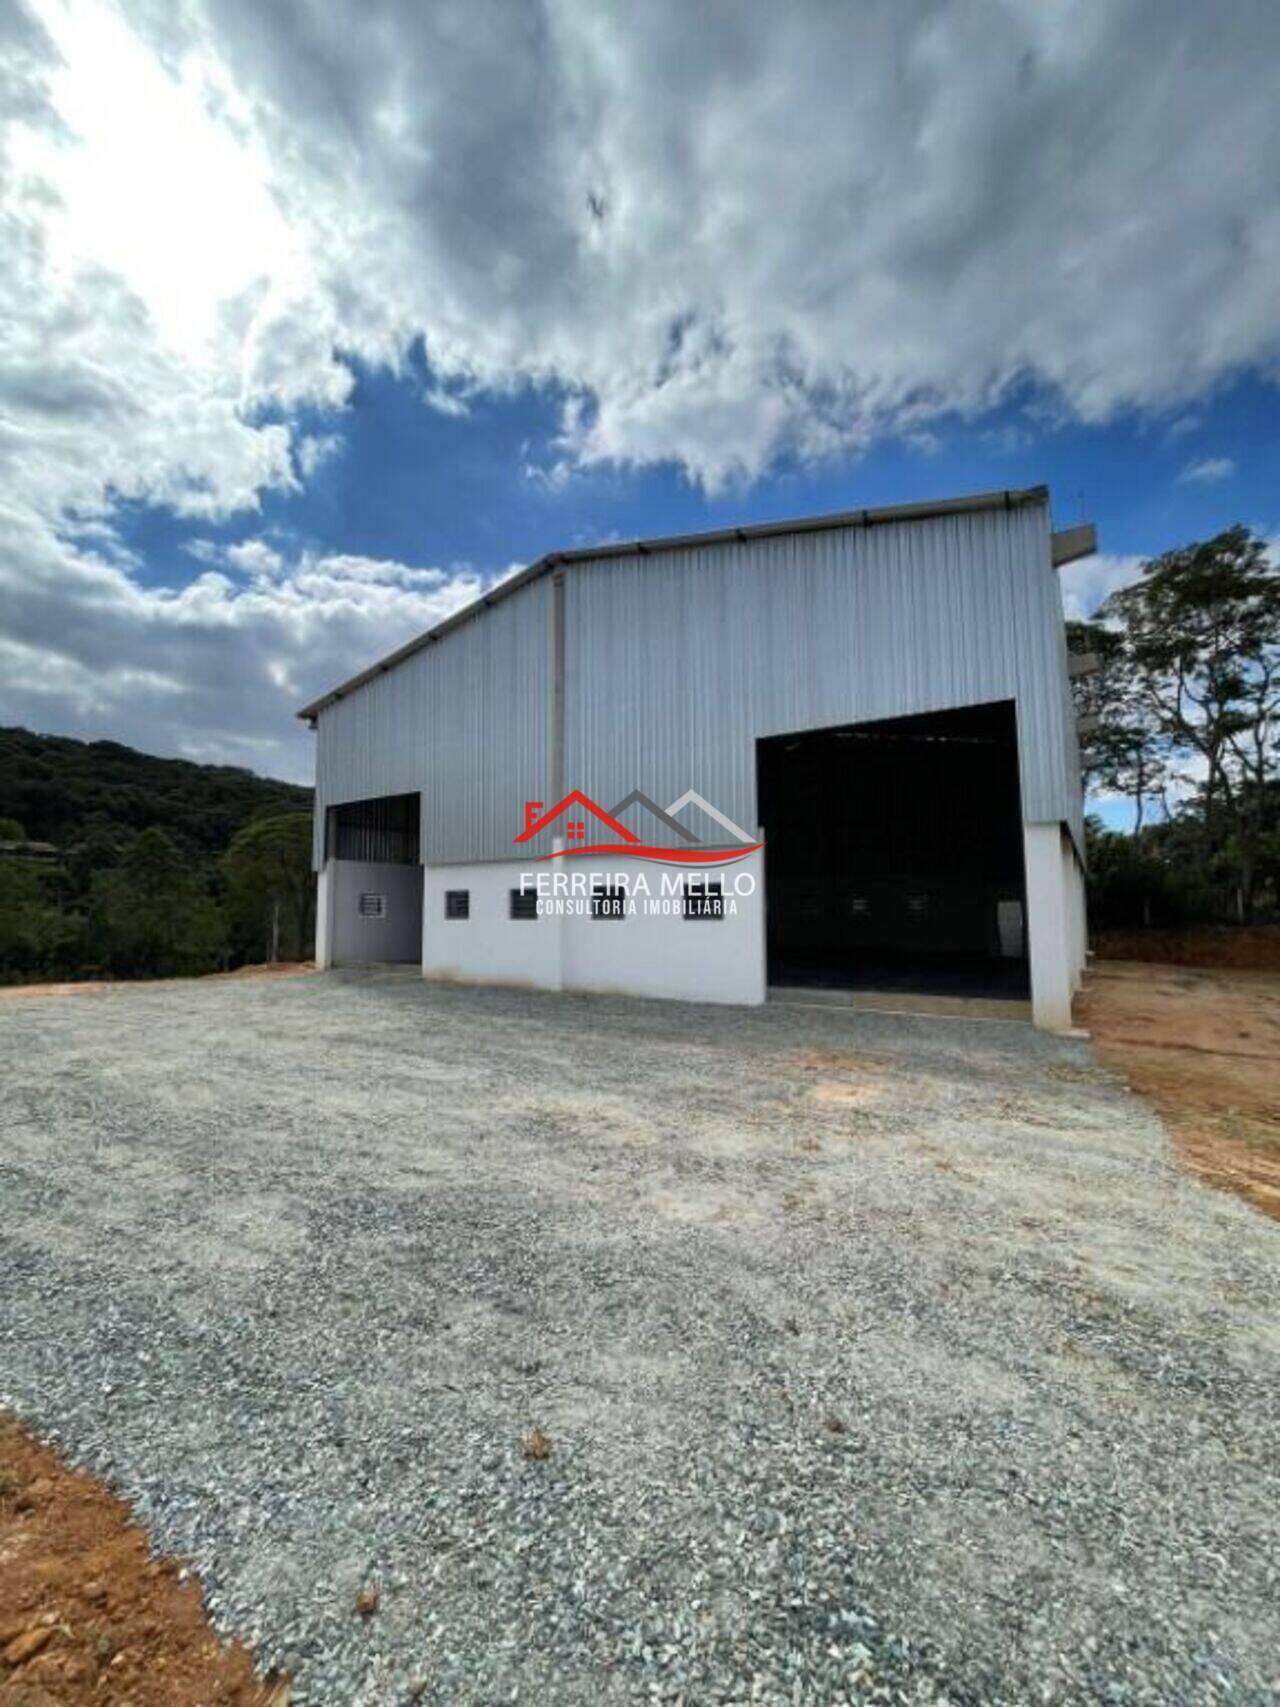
465, 721
677, 661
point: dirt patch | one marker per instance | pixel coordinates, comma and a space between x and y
850, 1079
1248, 947
92, 986
87, 1615
845, 1079
1203, 1045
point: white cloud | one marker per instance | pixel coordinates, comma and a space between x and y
119, 359
253, 557
314, 450
1087, 583
785, 232
780, 232
215, 668
1207, 471
446, 402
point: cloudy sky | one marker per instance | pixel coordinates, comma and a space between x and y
317, 315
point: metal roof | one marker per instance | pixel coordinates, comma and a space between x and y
1006, 500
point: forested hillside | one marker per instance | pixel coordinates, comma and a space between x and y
55, 788
156, 867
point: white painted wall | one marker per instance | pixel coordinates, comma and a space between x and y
490, 947
703, 960
644, 954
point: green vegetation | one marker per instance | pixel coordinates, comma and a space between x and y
55, 787
1185, 708
161, 868
271, 894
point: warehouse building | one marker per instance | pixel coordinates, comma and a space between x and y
836, 752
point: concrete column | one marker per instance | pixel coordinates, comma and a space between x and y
761, 901
1049, 927
324, 915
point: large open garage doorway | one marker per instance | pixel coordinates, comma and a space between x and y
377, 880
894, 855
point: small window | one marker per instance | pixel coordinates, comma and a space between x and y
703, 898
457, 903
860, 904
608, 903
524, 903
373, 906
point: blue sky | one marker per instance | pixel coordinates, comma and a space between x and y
318, 318
404, 482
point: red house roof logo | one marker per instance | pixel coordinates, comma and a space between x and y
576, 806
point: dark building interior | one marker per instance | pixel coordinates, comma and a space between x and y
893, 855
384, 829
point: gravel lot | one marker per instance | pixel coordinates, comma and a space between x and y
882, 1358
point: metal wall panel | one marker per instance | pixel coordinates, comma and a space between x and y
676, 661
465, 722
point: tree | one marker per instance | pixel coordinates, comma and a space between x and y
1122, 748
1200, 642
93, 800
20, 906
270, 887
155, 916
1133, 880
98, 847
37, 938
